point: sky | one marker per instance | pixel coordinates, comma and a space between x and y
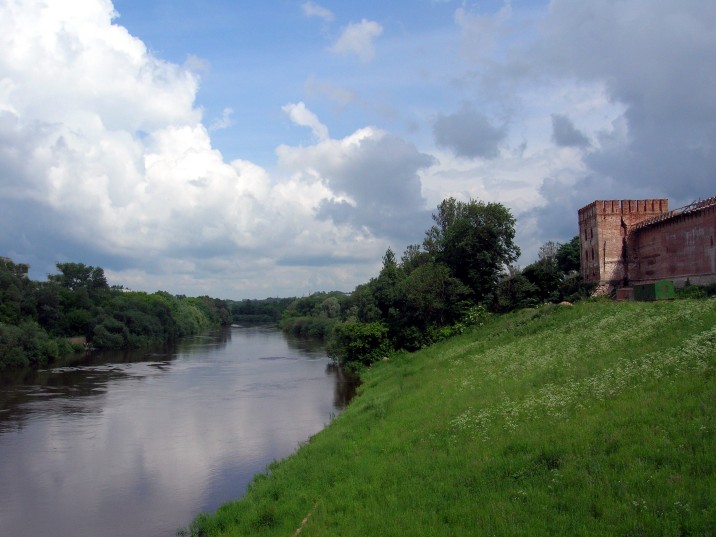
251, 149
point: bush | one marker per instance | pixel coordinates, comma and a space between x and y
692, 291
105, 339
356, 343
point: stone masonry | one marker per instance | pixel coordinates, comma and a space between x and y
626, 242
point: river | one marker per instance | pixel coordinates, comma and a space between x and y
138, 443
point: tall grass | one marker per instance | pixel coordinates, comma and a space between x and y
597, 419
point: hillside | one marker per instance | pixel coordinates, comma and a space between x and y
597, 419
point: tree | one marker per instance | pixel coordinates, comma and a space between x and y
515, 291
385, 286
74, 276
548, 252
545, 276
475, 240
331, 307
354, 343
362, 306
414, 258
568, 256
432, 298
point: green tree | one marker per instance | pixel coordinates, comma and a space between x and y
49, 310
546, 278
16, 299
362, 304
74, 276
331, 307
354, 343
568, 256
386, 288
515, 291
432, 299
475, 240
413, 258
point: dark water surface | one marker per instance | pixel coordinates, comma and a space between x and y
139, 443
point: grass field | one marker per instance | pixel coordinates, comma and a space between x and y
597, 419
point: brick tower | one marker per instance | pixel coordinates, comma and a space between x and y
604, 228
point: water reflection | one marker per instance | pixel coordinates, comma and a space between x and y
139, 443
345, 386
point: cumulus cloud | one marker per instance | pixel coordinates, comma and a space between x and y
565, 134
106, 161
469, 133
314, 10
302, 116
357, 38
373, 176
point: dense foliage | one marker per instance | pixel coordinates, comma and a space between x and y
253, 311
314, 316
461, 272
553, 278
42, 321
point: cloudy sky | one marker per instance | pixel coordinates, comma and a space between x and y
275, 148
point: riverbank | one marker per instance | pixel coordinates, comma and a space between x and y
597, 419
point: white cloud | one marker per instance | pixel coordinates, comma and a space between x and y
302, 116
106, 160
314, 10
652, 57
88, 63
223, 122
196, 64
373, 178
632, 75
357, 38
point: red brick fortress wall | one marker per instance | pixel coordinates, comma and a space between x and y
607, 257
679, 247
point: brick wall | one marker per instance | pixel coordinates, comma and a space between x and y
641, 241
606, 254
678, 248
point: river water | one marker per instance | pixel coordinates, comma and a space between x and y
139, 443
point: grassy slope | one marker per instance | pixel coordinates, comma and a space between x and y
594, 420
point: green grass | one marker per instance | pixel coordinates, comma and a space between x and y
598, 419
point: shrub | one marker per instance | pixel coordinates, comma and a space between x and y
104, 339
356, 343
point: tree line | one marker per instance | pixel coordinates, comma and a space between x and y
461, 273
41, 322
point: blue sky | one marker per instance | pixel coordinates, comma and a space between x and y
259, 56
245, 150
